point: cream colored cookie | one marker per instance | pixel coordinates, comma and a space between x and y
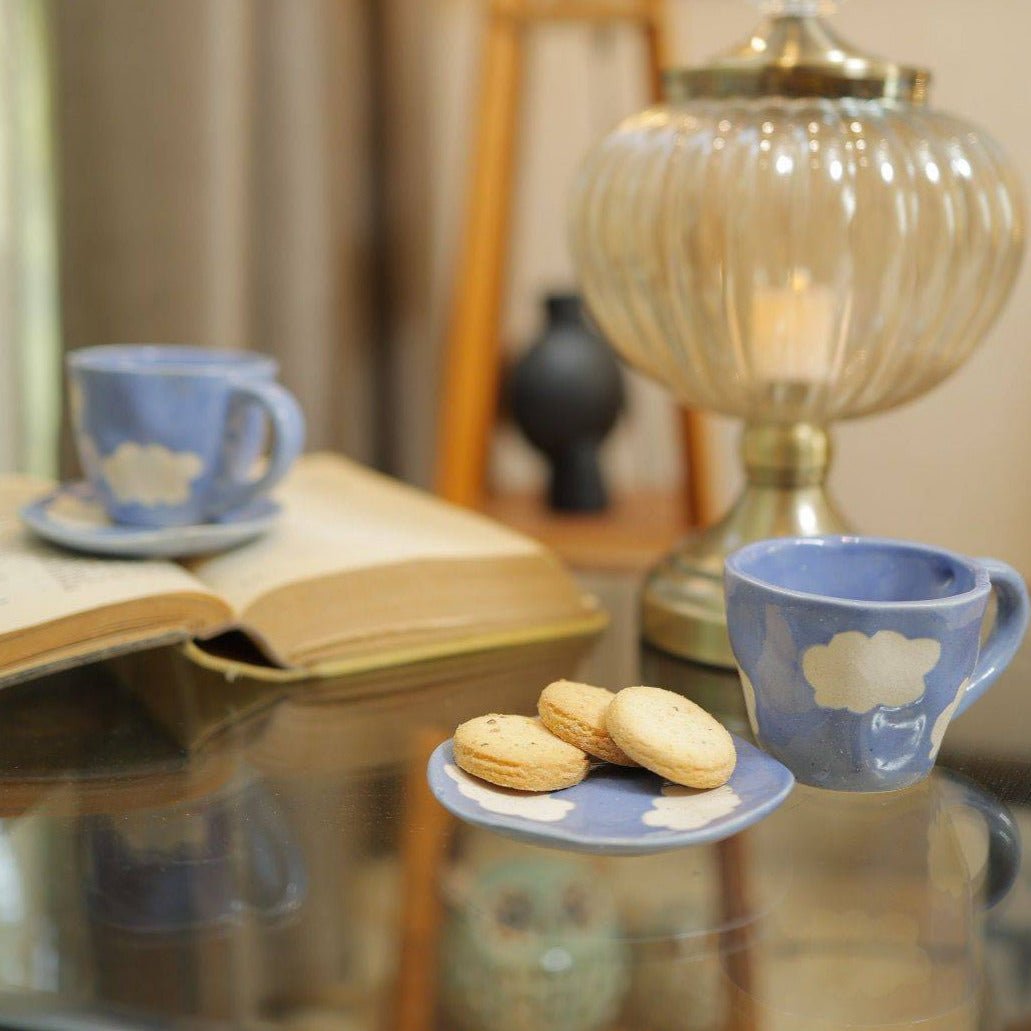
672, 737
518, 752
576, 713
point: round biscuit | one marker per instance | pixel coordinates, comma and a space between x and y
518, 752
671, 736
576, 714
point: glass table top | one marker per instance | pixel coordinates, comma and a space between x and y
177, 852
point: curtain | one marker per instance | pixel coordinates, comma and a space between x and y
228, 179
29, 335
406, 137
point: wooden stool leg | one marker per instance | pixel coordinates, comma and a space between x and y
694, 442
655, 41
473, 354
733, 872
427, 833
697, 483
471, 374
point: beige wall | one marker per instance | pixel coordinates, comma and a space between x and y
951, 467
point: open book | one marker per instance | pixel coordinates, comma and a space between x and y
358, 568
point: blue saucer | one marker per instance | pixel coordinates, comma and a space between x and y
72, 517
615, 810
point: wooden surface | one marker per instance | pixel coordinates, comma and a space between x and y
630, 536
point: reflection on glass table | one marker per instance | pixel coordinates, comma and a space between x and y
177, 852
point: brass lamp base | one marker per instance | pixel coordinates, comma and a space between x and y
682, 607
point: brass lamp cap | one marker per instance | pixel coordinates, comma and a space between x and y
794, 53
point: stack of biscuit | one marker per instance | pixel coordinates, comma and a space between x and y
638, 726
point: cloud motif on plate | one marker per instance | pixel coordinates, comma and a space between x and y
544, 808
686, 809
151, 474
749, 692
862, 673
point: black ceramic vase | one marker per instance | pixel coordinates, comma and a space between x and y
565, 394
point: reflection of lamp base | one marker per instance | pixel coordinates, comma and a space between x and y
682, 609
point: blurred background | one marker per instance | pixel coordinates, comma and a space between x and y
289, 177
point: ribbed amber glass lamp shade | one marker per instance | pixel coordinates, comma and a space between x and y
794, 238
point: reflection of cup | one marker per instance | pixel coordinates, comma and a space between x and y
855, 653
168, 435
191, 866
842, 990
877, 920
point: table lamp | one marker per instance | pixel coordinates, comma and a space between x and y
793, 237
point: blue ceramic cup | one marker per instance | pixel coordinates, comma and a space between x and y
170, 435
856, 652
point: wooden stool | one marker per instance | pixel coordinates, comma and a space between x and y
472, 364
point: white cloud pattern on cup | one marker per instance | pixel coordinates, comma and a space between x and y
941, 724
776, 664
543, 808
862, 673
749, 692
89, 455
686, 809
150, 474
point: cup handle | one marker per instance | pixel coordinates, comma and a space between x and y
1004, 845
1011, 619
287, 422
277, 876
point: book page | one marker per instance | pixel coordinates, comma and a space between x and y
40, 584
340, 517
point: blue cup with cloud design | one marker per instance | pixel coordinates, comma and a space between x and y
172, 435
856, 652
